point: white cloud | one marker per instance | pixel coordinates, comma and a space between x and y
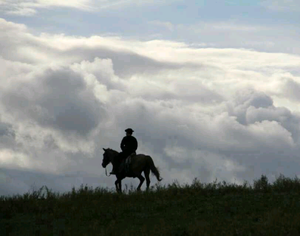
21, 12
30, 7
208, 112
9, 157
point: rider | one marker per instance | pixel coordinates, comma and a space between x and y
128, 145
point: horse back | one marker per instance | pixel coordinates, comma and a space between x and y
139, 161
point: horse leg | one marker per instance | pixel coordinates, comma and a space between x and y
120, 186
117, 183
146, 173
142, 179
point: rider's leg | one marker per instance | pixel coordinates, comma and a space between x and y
122, 156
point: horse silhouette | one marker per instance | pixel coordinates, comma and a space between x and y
139, 163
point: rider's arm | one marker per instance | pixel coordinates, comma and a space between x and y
135, 144
123, 144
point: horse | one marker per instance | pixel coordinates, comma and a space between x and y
139, 163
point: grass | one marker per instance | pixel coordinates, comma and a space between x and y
174, 209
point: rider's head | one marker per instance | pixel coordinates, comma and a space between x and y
129, 132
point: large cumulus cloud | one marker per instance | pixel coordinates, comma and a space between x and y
230, 114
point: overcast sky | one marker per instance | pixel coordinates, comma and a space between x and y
211, 89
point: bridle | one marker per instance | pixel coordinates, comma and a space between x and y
106, 168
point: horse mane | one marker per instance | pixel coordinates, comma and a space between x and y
111, 150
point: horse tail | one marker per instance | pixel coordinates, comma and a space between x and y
154, 169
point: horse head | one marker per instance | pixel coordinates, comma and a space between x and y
106, 159
108, 156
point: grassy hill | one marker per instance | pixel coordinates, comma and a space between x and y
177, 210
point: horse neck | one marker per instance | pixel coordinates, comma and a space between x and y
113, 155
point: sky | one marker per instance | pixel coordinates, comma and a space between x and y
211, 89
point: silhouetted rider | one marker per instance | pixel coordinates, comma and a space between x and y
128, 145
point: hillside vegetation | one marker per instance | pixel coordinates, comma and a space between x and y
174, 209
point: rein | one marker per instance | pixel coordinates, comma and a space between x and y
106, 171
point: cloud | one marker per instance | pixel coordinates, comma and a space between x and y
64, 96
31, 7
282, 5
230, 114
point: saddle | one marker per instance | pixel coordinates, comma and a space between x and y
126, 163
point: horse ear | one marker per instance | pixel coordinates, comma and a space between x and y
104, 149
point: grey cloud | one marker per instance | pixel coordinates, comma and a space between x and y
50, 142
282, 115
245, 99
292, 89
6, 129
122, 59
7, 135
58, 99
73, 106
251, 107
